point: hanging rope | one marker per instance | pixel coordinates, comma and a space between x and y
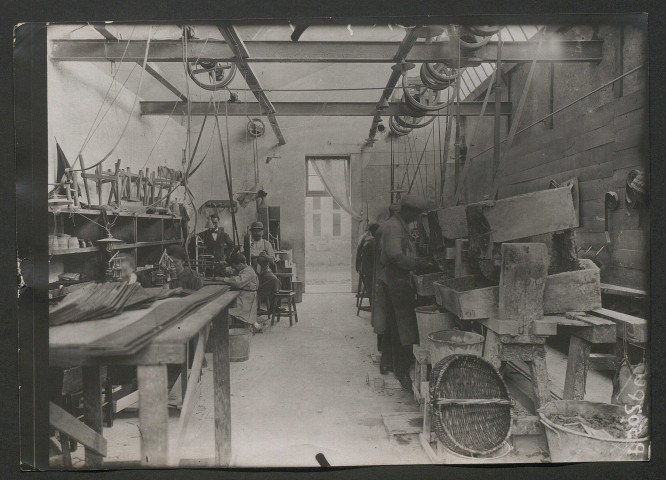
129, 117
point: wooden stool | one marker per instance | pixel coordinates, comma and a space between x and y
291, 304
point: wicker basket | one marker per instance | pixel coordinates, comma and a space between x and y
471, 408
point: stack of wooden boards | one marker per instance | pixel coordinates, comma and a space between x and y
99, 300
135, 336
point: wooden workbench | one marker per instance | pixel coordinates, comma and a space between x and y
67, 348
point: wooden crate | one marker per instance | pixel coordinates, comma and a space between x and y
424, 283
471, 299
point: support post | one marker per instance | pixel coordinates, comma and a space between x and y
92, 401
153, 414
222, 392
577, 364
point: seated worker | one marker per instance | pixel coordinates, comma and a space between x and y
247, 282
269, 284
128, 269
129, 273
187, 278
256, 246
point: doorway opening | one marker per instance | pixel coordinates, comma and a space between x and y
327, 225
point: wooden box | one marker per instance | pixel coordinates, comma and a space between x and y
467, 297
424, 283
470, 299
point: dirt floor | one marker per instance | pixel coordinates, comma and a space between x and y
302, 392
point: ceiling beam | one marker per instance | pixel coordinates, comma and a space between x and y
405, 46
152, 69
320, 52
241, 56
303, 109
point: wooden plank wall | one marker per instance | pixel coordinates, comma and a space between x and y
599, 147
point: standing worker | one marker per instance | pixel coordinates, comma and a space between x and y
398, 260
218, 242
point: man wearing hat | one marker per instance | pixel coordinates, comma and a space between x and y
257, 246
398, 259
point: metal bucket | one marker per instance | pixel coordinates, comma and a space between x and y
567, 445
430, 319
451, 342
239, 344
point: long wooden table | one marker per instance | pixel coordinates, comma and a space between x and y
67, 342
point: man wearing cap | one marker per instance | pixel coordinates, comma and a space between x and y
398, 259
257, 246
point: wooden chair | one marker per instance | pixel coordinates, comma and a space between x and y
361, 293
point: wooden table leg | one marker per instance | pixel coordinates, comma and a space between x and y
92, 401
491, 349
577, 364
153, 414
539, 377
222, 391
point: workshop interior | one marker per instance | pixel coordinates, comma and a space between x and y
324, 245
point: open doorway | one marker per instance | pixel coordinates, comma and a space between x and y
327, 225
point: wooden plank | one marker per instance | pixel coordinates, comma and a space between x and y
631, 157
598, 137
462, 267
69, 425
222, 389
632, 239
638, 259
577, 363
198, 320
92, 410
522, 283
633, 101
575, 291
553, 165
622, 291
633, 136
595, 330
501, 326
631, 328
153, 414
539, 377
630, 119
603, 170
539, 212
600, 116
626, 277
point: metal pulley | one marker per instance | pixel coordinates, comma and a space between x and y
211, 75
256, 127
396, 129
426, 100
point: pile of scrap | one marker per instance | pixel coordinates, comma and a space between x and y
99, 300
137, 335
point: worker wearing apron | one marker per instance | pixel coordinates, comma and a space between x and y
398, 258
247, 282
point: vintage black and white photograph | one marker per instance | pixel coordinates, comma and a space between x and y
280, 244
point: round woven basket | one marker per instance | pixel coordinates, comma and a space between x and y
471, 408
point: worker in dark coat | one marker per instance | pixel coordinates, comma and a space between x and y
398, 259
218, 242
187, 279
